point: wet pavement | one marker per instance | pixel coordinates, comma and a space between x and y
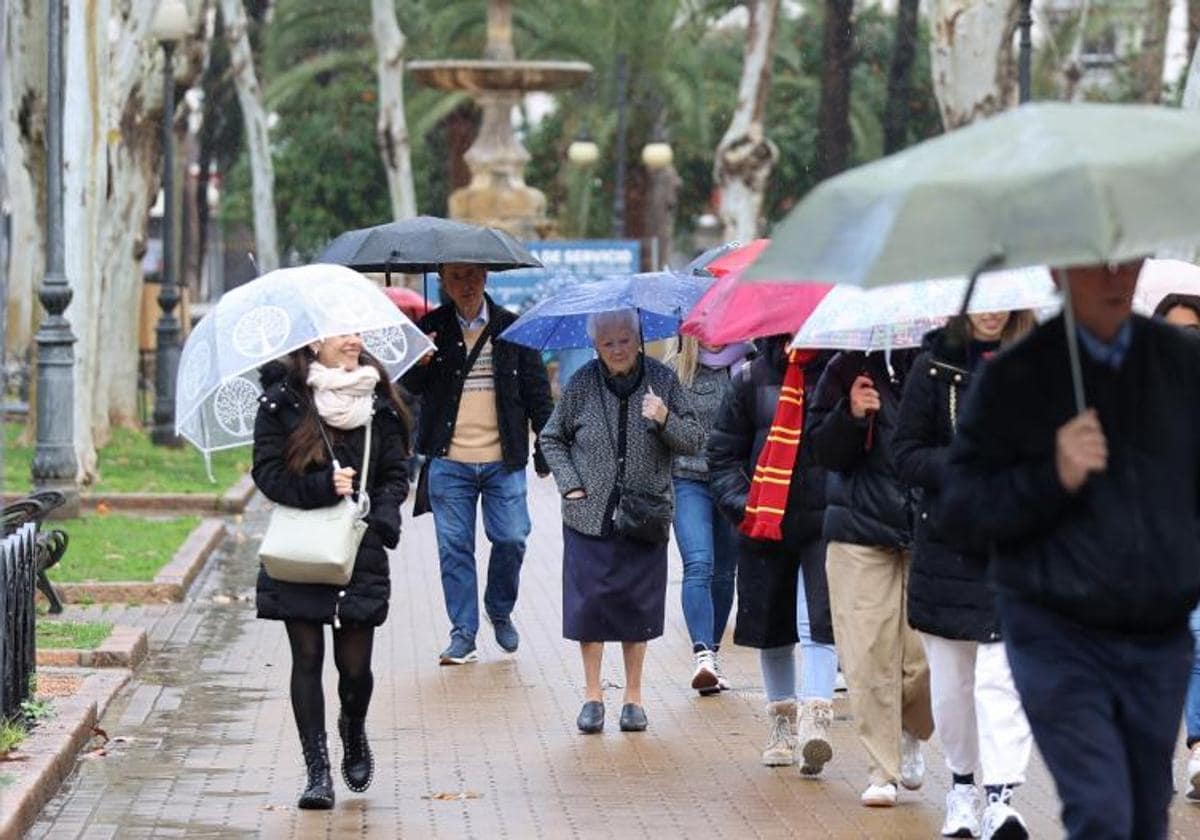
204, 745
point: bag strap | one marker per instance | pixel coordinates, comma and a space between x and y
364, 498
485, 335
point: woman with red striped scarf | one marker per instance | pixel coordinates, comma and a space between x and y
765, 480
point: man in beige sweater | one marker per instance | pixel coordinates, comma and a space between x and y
480, 399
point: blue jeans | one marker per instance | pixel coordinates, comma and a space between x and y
818, 666
708, 545
454, 491
1191, 713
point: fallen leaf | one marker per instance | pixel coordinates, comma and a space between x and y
454, 797
13, 755
102, 509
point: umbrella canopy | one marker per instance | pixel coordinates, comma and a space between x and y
735, 311
1160, 278
736, 260
217, 388
423, 244
892, 317
1045, 184
411, 303
661, 299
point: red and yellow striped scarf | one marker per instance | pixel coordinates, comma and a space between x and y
772, 480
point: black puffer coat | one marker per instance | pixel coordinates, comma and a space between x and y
948, 593
867, 504
767, 570
365, 599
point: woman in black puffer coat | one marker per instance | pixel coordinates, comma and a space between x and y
783, 597
976, 709
335, 386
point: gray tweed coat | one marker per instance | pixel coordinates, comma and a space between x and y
580, 449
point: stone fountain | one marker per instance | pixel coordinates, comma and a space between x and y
498, 195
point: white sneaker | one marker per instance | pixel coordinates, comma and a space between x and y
912, 762
1001, 821
704, 678
1193, 774
722, 681
781, 743
962, 812
815, 748
879, 796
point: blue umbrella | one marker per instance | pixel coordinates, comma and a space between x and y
662, 300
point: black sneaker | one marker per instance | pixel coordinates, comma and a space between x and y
460, 652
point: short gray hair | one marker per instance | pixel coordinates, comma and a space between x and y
598, 322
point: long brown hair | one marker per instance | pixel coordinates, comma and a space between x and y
305, 445
1020, 323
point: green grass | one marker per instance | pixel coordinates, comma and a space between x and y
76, 635
11, 736
114, 547
132, 464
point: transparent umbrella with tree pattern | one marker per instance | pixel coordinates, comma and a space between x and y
217, 390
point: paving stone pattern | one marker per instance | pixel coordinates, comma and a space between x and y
204, 744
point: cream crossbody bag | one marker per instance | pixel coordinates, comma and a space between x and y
318, 545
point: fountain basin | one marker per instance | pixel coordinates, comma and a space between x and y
484, 75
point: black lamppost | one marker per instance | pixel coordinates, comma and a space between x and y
170, 26
619, 180
1025, 59
54, 465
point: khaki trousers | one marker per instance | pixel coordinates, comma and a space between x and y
882, 658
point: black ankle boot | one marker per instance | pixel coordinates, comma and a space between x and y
318, 792
358, 765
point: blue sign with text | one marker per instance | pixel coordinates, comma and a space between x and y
565, 261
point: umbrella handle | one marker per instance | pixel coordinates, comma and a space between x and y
990, 263
1072, 344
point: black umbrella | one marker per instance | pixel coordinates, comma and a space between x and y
424, 244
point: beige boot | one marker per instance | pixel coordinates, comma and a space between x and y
815, 747
781, 743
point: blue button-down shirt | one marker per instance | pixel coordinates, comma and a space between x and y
477, 323
1111, 353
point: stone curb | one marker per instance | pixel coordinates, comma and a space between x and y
233, 500
52, 748
170, 584
125, 647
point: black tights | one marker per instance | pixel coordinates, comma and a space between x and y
351, 654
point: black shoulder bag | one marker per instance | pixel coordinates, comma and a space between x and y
639, 515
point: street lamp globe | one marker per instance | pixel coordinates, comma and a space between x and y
583, 152
171, 23
657, 155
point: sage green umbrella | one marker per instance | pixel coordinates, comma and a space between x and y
1045, 184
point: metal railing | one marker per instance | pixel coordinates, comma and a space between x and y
18, 658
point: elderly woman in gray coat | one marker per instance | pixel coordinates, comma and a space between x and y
619, 423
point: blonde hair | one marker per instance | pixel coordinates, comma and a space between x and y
685, 359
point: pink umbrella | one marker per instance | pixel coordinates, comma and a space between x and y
1160, 278
410, 302
733, 311
736, 261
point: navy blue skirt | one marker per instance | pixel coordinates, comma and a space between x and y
614, 588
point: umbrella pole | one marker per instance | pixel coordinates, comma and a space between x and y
992, 262
1072, 344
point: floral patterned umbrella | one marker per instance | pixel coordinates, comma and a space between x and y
217, 388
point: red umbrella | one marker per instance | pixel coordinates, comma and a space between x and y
735, 311
736, 261
410, 302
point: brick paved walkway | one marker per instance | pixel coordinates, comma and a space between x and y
205, 745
